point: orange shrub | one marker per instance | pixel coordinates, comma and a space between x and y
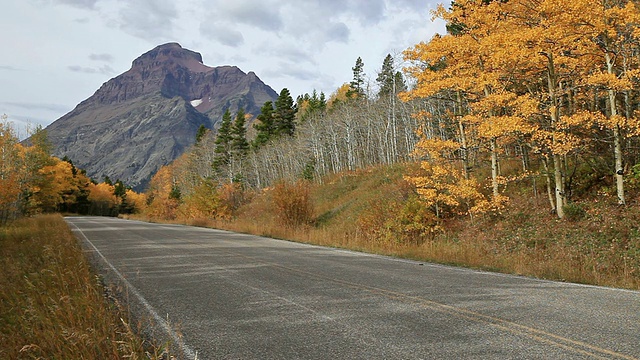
292, 203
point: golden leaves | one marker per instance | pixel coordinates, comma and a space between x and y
608, 81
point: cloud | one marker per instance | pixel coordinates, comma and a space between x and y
261, 15
105, 69
337, 32
291, 70
35, 106
83, 4
223, 34
285, 51
149, 19
10, 68
368, 12
101, 57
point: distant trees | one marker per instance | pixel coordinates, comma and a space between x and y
264, 125
223, 143
302, 140
32, 181
284, 114
310, 105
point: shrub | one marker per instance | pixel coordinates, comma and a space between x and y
398, 221
574, 212
293, 203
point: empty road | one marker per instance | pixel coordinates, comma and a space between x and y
221, 295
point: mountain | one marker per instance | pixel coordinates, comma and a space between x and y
146, 117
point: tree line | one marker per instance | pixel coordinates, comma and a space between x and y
302, 139
32, 182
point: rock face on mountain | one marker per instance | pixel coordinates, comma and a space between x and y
146, 117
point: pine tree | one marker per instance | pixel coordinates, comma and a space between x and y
309, 105
285, 114
386, 78
223, 142
200, 134
239, 144
264, 126
356, 87
389, 80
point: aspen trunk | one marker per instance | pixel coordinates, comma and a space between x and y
549, 191
617, 141
494, 168
561, 199
552, 83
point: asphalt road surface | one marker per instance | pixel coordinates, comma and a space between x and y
221, 295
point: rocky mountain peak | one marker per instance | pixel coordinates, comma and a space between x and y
147, 116
170, 54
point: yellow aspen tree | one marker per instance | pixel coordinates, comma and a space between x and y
138, 201
612, 26
539, 41
11, 171
442, 67
460, 64
103, 198
162, 195
56, 186
339, 96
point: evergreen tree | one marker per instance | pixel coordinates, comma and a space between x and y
401, 85
223, 142
308, 105
239, 144
386, 77
285, 114
356, 87
202, 131
119, 189
389, 80
264, 126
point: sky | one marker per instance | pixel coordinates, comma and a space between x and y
57, 53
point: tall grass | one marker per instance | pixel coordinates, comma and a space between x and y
51, 305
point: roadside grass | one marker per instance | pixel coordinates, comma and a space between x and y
52, 306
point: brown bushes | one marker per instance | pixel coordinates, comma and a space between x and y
292, 203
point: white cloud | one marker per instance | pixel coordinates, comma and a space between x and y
151, 20
104, 70
101, 57
83, 4
224, 34
300, 45
263, 15
10, 68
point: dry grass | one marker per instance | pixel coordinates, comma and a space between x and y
51, 305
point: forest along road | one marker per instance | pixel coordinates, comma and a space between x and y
221, 295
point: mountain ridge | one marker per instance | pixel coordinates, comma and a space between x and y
147, 116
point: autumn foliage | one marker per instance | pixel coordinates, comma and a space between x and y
292, 203
554, 82
33, 182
